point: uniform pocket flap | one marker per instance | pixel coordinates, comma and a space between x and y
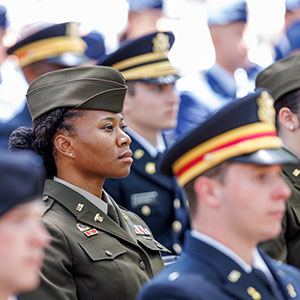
152, 244
102, 248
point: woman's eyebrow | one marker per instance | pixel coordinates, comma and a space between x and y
108, 119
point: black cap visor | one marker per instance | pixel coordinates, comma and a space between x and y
168, 79
268, 157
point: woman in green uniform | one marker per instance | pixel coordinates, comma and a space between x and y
282, 78
98, 250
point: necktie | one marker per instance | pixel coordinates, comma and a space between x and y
271, 287
111, 212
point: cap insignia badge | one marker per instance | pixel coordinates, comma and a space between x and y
161, 43
72, 29
266, 111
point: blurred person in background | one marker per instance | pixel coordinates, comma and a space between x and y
282, 78
232, 74
95, 46
43, 48
143, 17
292, 15
293, 38
98, 249
23, 237
151, 106
10, 75
3, 26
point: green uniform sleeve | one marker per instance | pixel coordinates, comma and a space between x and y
56, 278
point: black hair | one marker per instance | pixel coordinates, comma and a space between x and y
40, 138
290, 100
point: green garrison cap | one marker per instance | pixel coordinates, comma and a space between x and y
281, 77
89, 87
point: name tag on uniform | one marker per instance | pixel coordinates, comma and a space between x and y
147, 198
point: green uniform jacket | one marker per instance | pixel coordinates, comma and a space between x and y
286, 247
91, 256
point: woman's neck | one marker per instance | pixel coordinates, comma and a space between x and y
93, 186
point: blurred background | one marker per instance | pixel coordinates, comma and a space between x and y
186, 18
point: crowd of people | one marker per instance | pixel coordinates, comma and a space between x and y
122, 178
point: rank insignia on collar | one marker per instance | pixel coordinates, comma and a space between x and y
291, 290
234, 276
91, 232
296, 172
79, 206
82, 227
253, 293
98, 218
139, 230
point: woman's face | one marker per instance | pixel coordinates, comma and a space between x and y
100, 146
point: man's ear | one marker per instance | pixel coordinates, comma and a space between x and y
207, 189
63, 145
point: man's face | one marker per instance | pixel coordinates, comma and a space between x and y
253, 202
22, 239
152, 107
230, 44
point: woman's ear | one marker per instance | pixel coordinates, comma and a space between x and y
288, 119
63, 145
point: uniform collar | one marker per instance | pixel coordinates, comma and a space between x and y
258, 261
224, 79
98, 202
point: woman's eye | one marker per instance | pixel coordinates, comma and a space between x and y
123, 127
108, 127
